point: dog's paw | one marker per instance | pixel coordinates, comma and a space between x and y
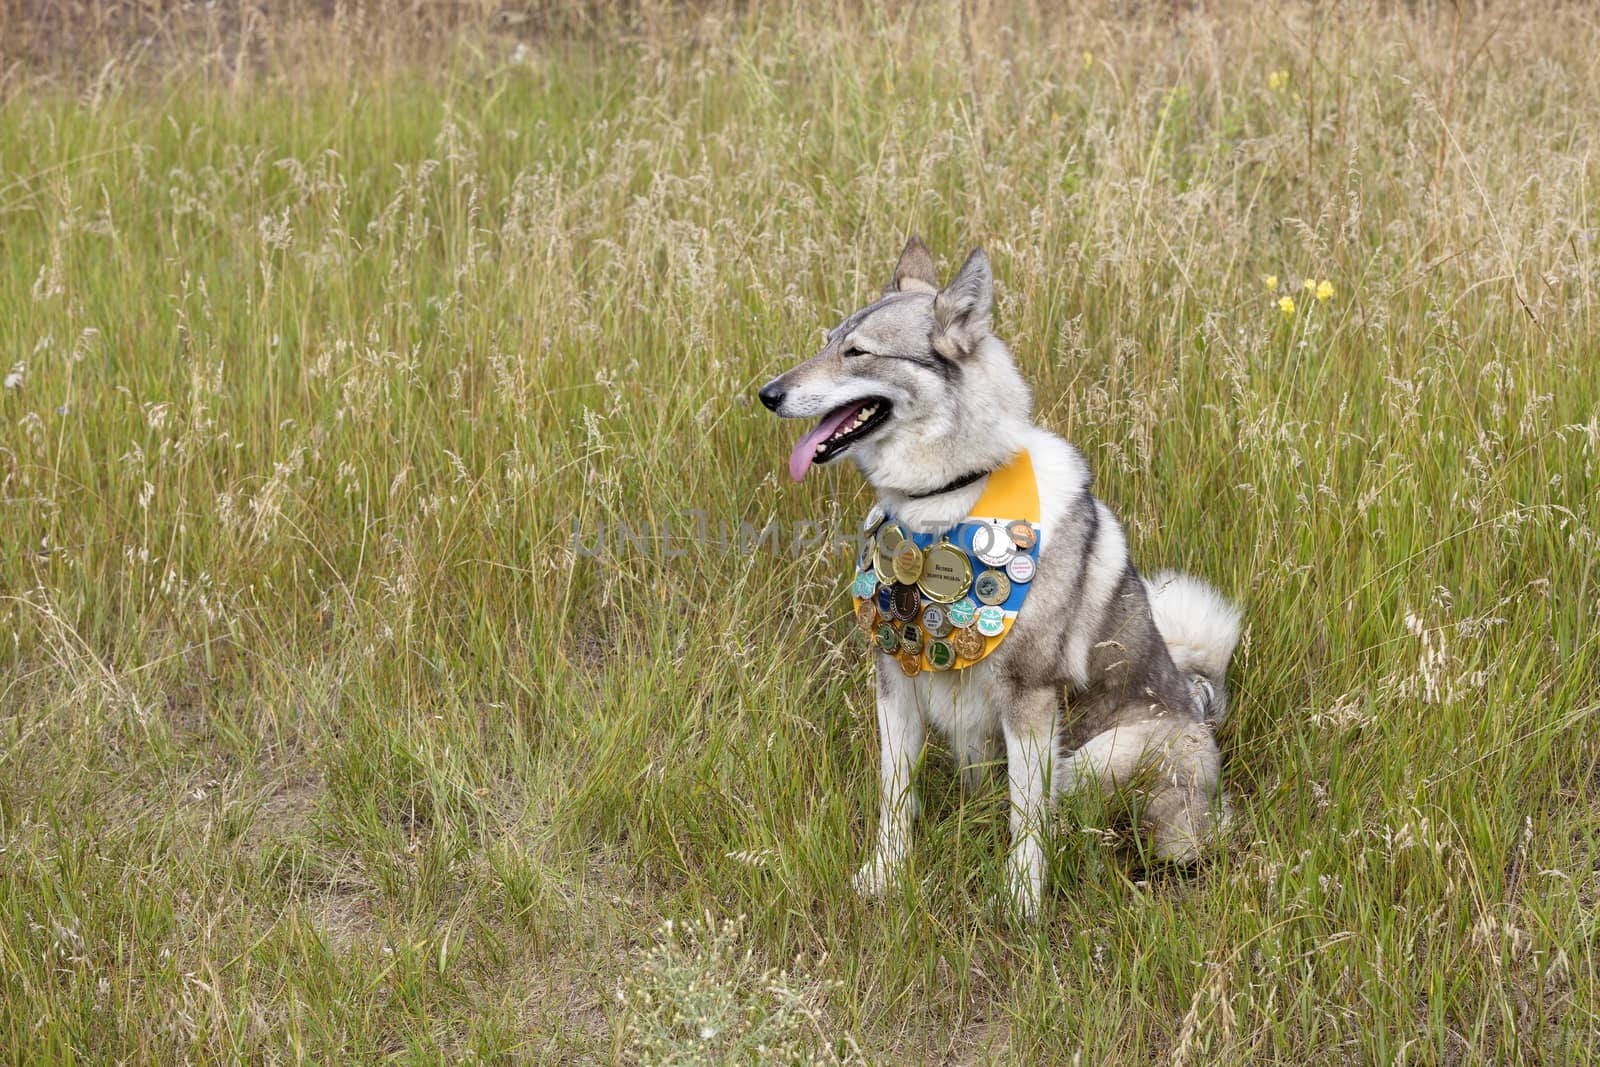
1024, 888
876, 877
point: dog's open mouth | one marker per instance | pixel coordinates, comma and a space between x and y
838, 430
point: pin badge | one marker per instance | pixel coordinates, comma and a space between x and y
1023, 535
992, 545
935, 620
962, 612
864, 586
941, 654
1020, 569
888, 639
991, 621
909, 664
885, 599
969, 644
910, 638
907, 562
905, 602
991, 587
946, 573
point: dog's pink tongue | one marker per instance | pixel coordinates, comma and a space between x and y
804, 452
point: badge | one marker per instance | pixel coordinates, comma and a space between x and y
904, 602
992, 545
888, 639
874, 519
1020, 569
907, 562
941, 654
865, 585
962, 612
911, 665
991, 621
885, 599
935, 620
910, 638
889, 537
991, 587
969, 644
1023, 535
867, 617
865, 553
946, 573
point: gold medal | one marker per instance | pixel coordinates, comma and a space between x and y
991, 587
889, 537
910, 664
910, 638
968, 643
907, 562
946, 573
941, 654
888, 639
867, 616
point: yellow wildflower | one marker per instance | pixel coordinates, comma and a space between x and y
1311, 285
1272, 282
1277, 80
1325, 290
1286, 304
1088, 60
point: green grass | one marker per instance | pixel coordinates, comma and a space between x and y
319, 742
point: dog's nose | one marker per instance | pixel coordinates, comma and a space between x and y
771, 395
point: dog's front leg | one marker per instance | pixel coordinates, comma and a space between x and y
901, 735
1029, 723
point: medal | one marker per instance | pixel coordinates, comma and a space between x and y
888, 640
991, 587
910, 638
874, 519
992, 545
864, 586
1022, 534
885, 599
911, 665
889, 537
1020, 569
962, 612
864, 554
941, 654
991, 621
907, 562
969, 643
904, 602
867, 617
946, 573
935, 620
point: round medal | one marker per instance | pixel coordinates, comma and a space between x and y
867, 616
962, 612
885, 599
941, 654
969, 643
888, 639
946, 573
992, 545
991, 587
865, 553
935, 620
904, 602
910, 638
1020, 569
907, 562
991, 621
874, 519
889, 537
1022, 534
911, 665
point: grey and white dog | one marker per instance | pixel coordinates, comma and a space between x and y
921, 395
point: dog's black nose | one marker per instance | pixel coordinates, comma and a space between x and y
771, 395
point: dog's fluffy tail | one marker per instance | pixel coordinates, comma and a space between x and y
1201, 628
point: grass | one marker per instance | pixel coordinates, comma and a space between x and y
320, 741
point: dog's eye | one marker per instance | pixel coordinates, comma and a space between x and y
851, 351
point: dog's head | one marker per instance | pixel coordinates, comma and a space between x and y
913, 385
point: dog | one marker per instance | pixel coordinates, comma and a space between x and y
1105, 680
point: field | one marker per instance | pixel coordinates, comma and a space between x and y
370, 691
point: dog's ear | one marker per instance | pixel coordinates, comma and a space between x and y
961, 309
914, 272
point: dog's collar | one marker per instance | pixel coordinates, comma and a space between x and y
951, 486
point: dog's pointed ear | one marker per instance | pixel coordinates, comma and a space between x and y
961, 309
914, 272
